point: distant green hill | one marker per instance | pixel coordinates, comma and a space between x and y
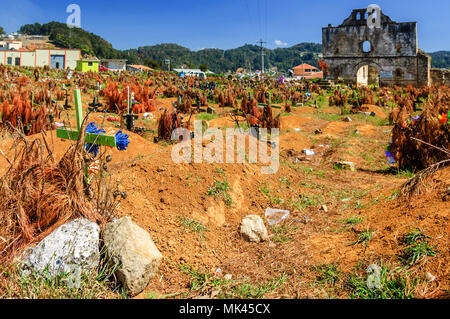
247, 56
220, 61
73, 38
440, 59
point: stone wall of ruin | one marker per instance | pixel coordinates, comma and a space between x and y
440, 77
394, 52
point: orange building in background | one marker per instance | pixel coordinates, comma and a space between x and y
306, 71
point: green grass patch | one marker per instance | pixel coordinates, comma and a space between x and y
393, 284
370, 119
221, 189
229, 289
193, 225
274, 199
404, 173
328, 274
364, 237
283, 233
353, 220
206, 116
16, 284
328, 116
416, 247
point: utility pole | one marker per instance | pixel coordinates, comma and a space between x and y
167, 61
261, 42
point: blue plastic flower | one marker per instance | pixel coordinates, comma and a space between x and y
122, 141
92, 128
390, 158
90, 147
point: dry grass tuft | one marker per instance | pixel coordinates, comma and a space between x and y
37, 194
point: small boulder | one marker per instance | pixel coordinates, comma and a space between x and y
346, 165
347, 119
133, 250
72, 246
253, 229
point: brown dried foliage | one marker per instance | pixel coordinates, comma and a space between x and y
37, 194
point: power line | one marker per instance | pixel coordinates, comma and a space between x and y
262, 56
259, 18
248, 12
266, 21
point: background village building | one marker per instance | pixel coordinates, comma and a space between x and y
53, 58
387, 56
88, 65
115, 64
138, 68
192, 72
306, 71
10, 45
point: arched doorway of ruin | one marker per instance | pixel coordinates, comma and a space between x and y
367, 73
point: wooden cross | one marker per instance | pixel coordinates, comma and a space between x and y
68, 134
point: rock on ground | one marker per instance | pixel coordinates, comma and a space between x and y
346, 165
70, 246
133, 250
253, 229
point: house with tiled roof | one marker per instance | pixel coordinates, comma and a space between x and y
306, 71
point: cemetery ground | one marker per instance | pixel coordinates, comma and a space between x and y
341, 221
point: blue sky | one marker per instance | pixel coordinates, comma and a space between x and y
225, 24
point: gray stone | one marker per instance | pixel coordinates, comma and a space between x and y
374, 278
72, 247
133, 250
253, 229
346, 165
347, 119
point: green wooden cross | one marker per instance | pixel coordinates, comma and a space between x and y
68, 134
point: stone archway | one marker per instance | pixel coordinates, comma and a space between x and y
367, 73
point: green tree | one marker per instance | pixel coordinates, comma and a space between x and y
2, 31
204, 67
32, 29
152, 63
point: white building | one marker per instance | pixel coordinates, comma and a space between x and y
193, 72
115, 64
54, 58
10, 45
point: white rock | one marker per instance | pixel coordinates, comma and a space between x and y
132, 248
253, 229
345, 165
430, 277
72, 246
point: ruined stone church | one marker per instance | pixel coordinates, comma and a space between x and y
385, 55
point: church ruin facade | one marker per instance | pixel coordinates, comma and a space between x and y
385, 55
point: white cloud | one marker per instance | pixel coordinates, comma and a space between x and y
280, 43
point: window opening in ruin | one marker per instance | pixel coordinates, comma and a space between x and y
367, 46
358, 16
